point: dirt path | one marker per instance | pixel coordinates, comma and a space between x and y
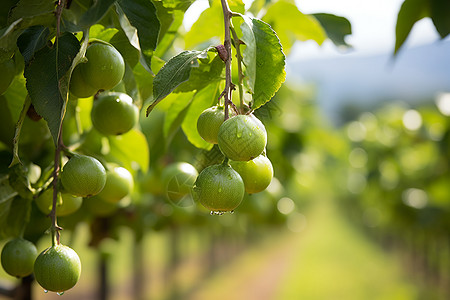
261, 271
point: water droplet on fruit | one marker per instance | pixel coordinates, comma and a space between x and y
250, 134
60, 293
220, 190
45, 291
211, 213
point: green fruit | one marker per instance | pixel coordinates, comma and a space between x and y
119, 183
242, 138
209, 122
7, 72
18, 257
256, 173
66, 204
83, 176
57, 268
114, 113
219, 188
178, 179
78, 86
99, 207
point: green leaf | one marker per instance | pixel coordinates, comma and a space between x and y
25, 14
204, 75
204, 99
336, 28
31, 40
130, 150
176, 114
291, 25
45, 76
176, 71
410, 12
141, 15
264, 60
14, 211
209, 27
440, 14
95, 12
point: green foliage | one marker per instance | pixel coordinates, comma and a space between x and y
291, 24
415, 10
44, 77
264, 60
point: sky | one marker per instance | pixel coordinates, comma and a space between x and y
373, 26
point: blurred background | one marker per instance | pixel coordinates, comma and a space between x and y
360, 204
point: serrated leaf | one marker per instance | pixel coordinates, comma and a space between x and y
95, 12
336, 28
410, 12
141, 15
264, 60
130, 150
440, 14
291, 24
176, 71
31, 40
202, 76
44, 79
204, 99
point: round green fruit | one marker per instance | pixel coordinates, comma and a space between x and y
66, 204
83, 176
119, 183
178, 179
114, 113
242, 138
209, 122
219, 188
57, 268
99, 207
256, 173
78, 86
18, 257
7, 72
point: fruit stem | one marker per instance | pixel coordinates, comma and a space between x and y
225, 161
227, 14
237, 45
59, 144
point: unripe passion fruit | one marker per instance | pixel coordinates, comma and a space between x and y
66, 204
78, 86
7, 72
256, 173
83, 176
114, 113
18, 257
219, 188
242, 138
119, 183
57, 268
209, 122
178, 179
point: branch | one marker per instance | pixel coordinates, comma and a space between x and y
227, 14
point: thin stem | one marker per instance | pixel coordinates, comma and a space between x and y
237, 44
227, 43
59, 144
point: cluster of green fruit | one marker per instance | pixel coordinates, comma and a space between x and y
56, 269
220, 188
